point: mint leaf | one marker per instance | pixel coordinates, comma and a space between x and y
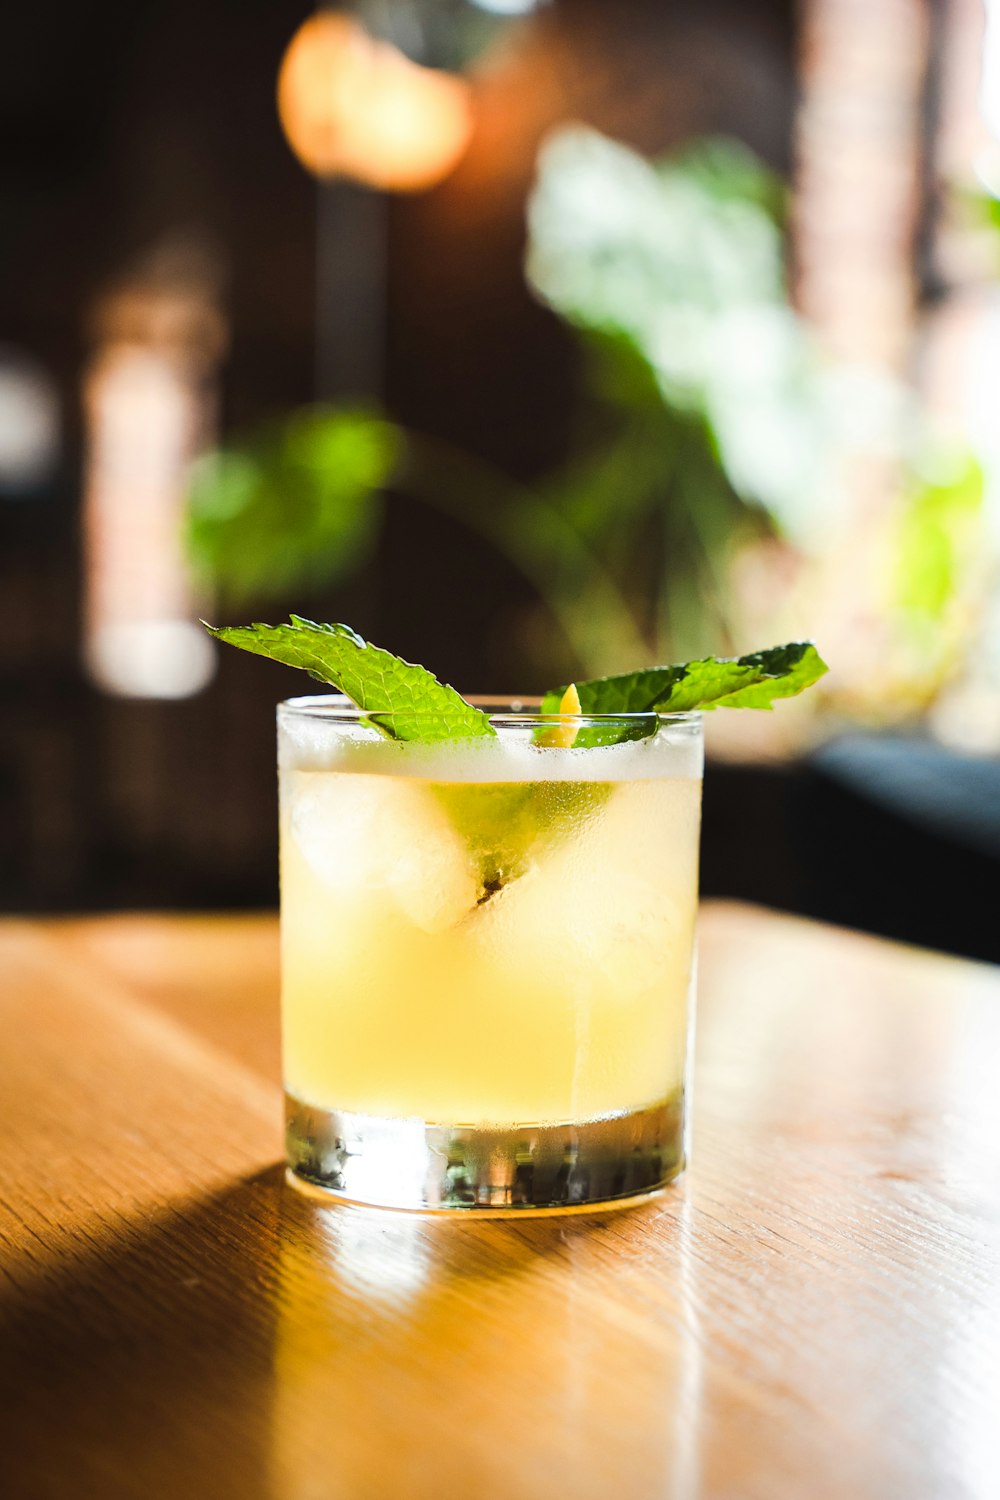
753, 681
599, 732
507, 827
401, 700
787, 671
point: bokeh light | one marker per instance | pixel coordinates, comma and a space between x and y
29, 424
352, 105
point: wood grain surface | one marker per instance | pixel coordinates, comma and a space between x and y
813, 1312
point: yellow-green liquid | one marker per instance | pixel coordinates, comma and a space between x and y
473, 954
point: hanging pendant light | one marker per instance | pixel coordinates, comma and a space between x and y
353, 105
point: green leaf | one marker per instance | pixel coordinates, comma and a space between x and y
295, 508
753, 681
401, 700
686, 262
785, 671
730, 172
627, 693
505, 825
941, 529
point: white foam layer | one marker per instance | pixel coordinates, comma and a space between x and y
318, 742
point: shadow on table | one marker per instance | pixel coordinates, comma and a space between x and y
140, 1365
252, 1342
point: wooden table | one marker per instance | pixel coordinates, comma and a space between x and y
815, 1312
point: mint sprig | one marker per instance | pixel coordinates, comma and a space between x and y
753, 681
406, 702
401, 700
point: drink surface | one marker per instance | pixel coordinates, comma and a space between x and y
482, 951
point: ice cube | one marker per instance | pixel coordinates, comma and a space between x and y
432, 881
609, 909
383, 833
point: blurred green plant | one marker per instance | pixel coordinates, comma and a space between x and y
977, 209
708, 423
295, 507
625, 542
938, 533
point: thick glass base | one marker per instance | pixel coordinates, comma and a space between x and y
407, 1163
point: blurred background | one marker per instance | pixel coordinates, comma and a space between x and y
534, 340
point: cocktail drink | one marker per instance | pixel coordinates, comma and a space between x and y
487, 955
488, 922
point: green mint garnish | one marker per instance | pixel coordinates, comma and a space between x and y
406, 702
402, 701
753, 681
504, 825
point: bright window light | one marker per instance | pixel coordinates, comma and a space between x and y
508, 7
149, 402
989, 96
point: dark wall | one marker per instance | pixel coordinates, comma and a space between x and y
123, 123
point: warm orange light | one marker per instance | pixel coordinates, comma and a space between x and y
353, 106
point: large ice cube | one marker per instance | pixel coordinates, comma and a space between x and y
382, 833
612, 907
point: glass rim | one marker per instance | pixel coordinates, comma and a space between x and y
512, 709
